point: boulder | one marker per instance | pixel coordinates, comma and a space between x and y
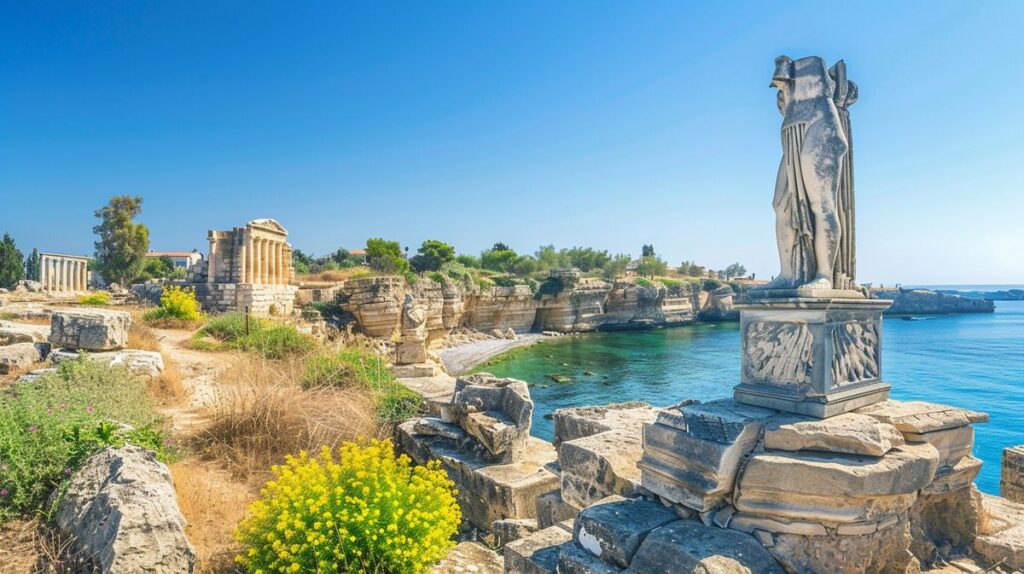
90, 329
121, 510
144, 363
20, 356
30, 286
690, 547
613, 529
848, 433
538, 552
11, 333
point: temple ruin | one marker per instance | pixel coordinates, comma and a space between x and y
63, 273
248, 267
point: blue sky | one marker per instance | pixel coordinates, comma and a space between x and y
611, 124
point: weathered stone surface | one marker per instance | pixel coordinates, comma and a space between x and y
752, 523
601, 465
613, 529
551, 510
691, 455
883, 551
578, 422
19, 356
33, 375
949, 519
1011, 484
835, 488
143, 363
953, 444
955, 477
687, 546
11, 333
493, 410
512, 529
436, 427
915, 417
1001, 536
846, 433
470, 558
538, 552
122, 512
574, 560
416, 370
90, 329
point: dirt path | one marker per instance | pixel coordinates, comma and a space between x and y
198, 370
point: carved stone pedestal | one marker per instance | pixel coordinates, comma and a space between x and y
815, 356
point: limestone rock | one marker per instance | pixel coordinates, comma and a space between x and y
725, 420
833, 488
33, 375
551, 510
613, 529
144, 363
601, 465
953, 444
920, 417
31, 286
574, 560
19, 356
949, 519
511, 529
883, 551
948, 479
11, 333
495, 411
1011, 484
578, 422
538, 552
470, 558
687, 546
1002, 535
90, 329
848, 433
121, 510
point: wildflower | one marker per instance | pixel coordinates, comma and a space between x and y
3, 493
33, 428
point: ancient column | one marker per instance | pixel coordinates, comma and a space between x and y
211, 264
264, 263
242, 259
280, 263
272, 259
42, 270
85, 275
63, 275
73, 275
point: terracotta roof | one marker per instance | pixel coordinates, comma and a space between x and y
357, 252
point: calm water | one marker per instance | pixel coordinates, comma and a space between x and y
972, 361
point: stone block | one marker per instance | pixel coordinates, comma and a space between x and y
723, 420
947, 519
19, 356
956, 477
574, 560
752, 523
885, 550
1011, 485
848, 433
470, 558
11, 333
495, 411
953, 444
834, 488
916, 417
601, 465
144, 363
512, 529
538, 552
613, 529
415, 370
689, 547
578, 422
90, 329
551, 510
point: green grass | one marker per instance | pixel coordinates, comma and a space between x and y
48, 428
96, 299
265, 338
361, 367
643, 282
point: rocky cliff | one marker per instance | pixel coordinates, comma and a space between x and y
925, 302
570, 303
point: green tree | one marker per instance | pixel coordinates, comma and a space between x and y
33, 268
386, 256
587, 258
549, 258
647, 251
524, 266
651, 266
471, 261
735, 270
301, 261
121, 249
12, 263
501, 257
615, 267
690, 269
432, 255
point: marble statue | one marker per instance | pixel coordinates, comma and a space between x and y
814, 188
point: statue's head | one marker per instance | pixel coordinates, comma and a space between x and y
408, 298
804, 79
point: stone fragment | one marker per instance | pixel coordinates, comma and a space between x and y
948, 519
144, 363
511, 529
724, 420
953, 444
834, 488
90, 329
613, 529
689, 547
33, 375
551, 510
750, 523
470, 558
495, 411
921, 417
883, 551
415, 370
19, 356
1011, 484
574, 560
11, 333
121, 510
436, 427
1001, 539
956, 477
578, 422
538, 552
848, 433
601, 465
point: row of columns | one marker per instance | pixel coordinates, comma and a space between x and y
266, 261
58, 273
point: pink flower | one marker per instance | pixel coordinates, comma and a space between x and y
33, 428
89, 409
3, 493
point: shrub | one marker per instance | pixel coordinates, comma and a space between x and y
365, 510
643, 282
98, 298
177, 304
265, 338
48, 428
360, 367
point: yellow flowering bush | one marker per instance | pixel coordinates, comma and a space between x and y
365, 510
176, 304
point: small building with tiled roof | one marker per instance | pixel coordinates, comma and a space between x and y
182, 259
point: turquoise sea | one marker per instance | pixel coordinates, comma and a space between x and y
972, 361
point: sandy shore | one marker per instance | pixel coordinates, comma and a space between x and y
464, 357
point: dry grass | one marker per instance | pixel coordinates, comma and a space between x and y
167, 388
28, 319
260, 414
32, 547
213, 504
142, 337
